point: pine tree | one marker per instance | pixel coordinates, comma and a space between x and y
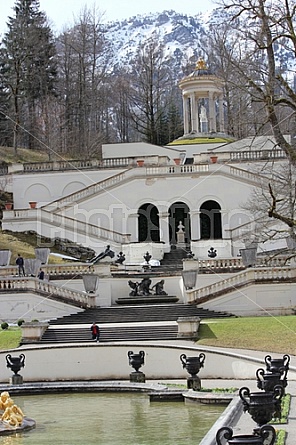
28, 72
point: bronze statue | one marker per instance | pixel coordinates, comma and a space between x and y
107, 252
134, 286
144, 287
159, 288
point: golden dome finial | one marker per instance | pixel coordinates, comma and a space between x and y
201, 64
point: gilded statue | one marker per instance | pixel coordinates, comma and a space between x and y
201, 64
13, 415
5, 400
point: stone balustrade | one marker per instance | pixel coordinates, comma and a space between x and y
41, 286
241, 156
121, 162
103, 269
220, 263
68, 224
248, 276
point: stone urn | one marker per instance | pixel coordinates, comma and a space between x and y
136, 360
90, 282
266, 434
192, 364
268, 380
277, 364
15, 363
262, 406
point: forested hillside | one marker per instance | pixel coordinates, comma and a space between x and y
118, 82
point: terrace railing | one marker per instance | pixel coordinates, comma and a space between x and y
50, 290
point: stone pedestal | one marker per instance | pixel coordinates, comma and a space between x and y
188, 327
16, 380
194, 383
33, 331
137, 377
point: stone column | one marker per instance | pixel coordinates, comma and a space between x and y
164, 227
221, 114
185, 115
193, 113
132, 226
195, 224
212, 113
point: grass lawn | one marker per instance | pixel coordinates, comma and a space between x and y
267, 334
270, 333
24, 243
10, 338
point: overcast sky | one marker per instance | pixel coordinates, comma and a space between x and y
62, 12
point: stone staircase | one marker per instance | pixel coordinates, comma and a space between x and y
109, 334
173, 260
159, 323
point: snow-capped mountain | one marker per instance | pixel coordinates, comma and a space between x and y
181, 34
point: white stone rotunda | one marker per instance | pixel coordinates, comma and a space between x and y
202, 101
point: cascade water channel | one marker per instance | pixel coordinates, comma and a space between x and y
112, 419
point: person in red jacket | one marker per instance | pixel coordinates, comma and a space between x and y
95, 331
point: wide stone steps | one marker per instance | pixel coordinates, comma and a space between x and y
110, 334
139, 313
124, 323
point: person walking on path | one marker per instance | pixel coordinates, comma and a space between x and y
95, 330
41, 274
20, 264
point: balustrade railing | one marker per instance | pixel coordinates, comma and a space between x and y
80, 164
50, 289
222, 263
68, 224
91, 190
214, 265
240, 279
253, 155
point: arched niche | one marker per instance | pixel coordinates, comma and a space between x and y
72, 187
148, 223
210, 220
37, 192
179, 211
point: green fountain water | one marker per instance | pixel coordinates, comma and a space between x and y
112, 419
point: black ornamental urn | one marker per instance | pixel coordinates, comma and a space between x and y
15, 364
268, 380
192, 366
262, 406
277, 364
265, 435
136, 361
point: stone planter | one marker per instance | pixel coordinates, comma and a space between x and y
8, 206
5, 256
188, 327
214, 159
189, 278
249, 256
91, 283
33, 331
42, 254
32, 267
